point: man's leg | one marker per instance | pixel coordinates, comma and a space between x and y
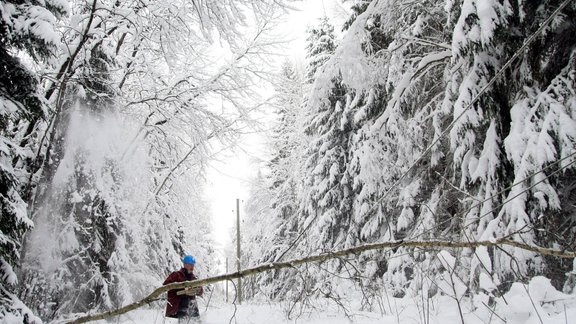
194, 312
183, 317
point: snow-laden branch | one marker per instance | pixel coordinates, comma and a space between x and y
318, 258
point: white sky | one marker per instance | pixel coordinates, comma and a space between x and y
229, 178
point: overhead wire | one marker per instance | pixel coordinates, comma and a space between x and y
504, 190
517, 231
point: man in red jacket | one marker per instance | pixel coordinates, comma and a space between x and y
184, 305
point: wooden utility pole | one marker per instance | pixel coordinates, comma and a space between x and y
239, 288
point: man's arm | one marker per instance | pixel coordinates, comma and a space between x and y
173, 277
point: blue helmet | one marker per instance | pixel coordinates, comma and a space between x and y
188, 259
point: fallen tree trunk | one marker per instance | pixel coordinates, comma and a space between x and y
318, 258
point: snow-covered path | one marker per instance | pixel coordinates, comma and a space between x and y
253, 314
406, 314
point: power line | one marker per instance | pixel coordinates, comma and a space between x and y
463, 213
475, 99
562, 168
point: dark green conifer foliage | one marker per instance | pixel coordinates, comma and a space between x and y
320, 45
21, 107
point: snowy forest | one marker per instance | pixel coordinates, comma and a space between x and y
413, 121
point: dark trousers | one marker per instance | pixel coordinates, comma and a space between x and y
190, 311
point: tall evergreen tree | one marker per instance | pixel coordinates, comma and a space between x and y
356, 9
26, 30
287, 145
326, 198
321, 43
282, 218
523, 125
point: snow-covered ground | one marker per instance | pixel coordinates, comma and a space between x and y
253, 313
535, 303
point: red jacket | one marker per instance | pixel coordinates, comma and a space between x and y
173, 299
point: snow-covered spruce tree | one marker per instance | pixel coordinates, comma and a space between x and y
473, 168
395, 113
321, 43
284, 181
26, 32
290, 152
325, 156
526, 126
389, 63
326, 199
423, 91
357, 8
477, 169
286, 164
